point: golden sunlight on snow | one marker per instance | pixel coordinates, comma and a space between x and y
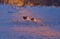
37, 31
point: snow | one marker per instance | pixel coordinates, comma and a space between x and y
12, 26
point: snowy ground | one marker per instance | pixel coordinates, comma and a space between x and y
12, 26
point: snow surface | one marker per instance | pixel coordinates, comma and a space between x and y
12, 26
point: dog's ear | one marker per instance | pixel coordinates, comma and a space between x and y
32, 19
24, 17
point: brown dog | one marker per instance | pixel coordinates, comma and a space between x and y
35, 20
26, 18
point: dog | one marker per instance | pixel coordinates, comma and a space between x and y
31, 19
